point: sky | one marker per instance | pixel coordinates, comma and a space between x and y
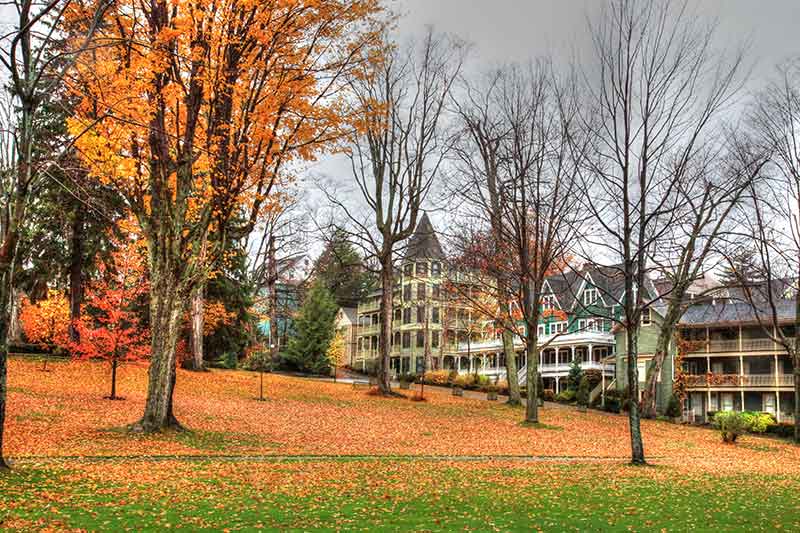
506, 31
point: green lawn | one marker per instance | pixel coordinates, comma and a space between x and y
384, 495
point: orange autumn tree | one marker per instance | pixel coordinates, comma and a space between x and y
110, 327
195, 111
46, 321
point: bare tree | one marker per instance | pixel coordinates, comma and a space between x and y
519, 168
35, 69
772, 221
652, 96
714, 184
395, 154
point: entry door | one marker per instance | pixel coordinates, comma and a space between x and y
768, 402
697, 403
727, 401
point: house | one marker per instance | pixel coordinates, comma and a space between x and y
729, 362
428, 322
346, 324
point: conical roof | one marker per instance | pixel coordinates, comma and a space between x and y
423, 243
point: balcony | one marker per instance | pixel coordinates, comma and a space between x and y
735, 380
733, 345
549, 369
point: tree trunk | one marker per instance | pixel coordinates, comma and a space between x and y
665, 334
385, 340
14, 326
167, 306
272, 291
514, 397
532, 377
796, 368
196, 333
113, 379
75, 273
3, 391
632, 346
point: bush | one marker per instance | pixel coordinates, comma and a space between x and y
228, 360
784, 429
438, 377
583, 392
612, 404
465, 381
407, 378
730, 424
257, 359
566, 396
673, 409
756, 422
594, 375
575, 375
549, 395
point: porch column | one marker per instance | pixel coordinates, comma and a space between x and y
778, 406
458, 363
740, 337
603, 389
557, 390
708, 404
572, 348
741, 373
483, 363
591, 357
777, 377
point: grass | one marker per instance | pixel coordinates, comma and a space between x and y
392, 496
319, 456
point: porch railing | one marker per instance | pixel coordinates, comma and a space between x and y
734, 345
735, 380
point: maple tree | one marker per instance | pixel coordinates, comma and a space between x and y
110, 327
336, 352
194, 110
46, 321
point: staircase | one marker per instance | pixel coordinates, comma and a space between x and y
522, 374
599, 389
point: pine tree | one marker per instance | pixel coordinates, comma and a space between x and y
308, 349
341, 270
575, 374
740, 270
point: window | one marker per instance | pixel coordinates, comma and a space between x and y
375, 319
397, 314
422, 269
540, 330
396, 339
434, 339
408, 269
435, 292
406, 339
421, 314
646, 317
436, 268
406, 315
589, 296
360, 344
549, 302
558, 327
435, 315
420, 339
407, 291
420, 291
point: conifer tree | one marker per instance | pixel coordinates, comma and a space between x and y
341, 270
308, 350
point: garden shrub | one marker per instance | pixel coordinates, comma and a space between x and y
549, 395
731, 424
566, 396
784, 429
438, 377
756, 422
465, 381
583, 392
594, 375
673, 409
612, 404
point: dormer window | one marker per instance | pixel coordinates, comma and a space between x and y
549, 302
647, 317
436, 268
590, 296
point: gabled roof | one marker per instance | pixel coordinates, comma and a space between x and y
349, 313
728, 312
609, 281
424, 243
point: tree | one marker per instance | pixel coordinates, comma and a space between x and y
308, 349
195, 112
653, 90
336, 352
33, 78
770, 223
575, 374
46, 321
396, 149
110, 327
518, 179
341, 269
740, 268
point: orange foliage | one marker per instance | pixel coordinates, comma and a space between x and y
215, 316
47, 321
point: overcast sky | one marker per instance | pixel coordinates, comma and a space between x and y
504, 31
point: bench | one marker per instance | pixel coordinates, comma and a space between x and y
361, 384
